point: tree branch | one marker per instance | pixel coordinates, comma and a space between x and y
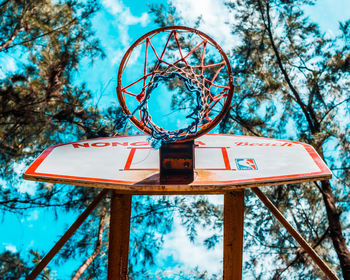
18, 27
40, 36
95, 253
299, 256
333, 107
13, 36
306, 217
267, 25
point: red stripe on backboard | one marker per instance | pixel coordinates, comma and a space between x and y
133, 151
129, 160
324, 170
316, 158
131, 157
32, 168
224, 156
82, 178
226, 159
267, 179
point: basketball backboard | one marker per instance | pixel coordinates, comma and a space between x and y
222, 163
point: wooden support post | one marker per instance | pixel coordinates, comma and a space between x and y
67, 235
119, 231
308, 249
233, 234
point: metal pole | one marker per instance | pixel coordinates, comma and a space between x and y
67, 235
308, 249
233, 234
119, 232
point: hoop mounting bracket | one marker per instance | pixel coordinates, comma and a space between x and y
177, 163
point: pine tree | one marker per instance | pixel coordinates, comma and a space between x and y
291, 82
298, 77
41, 103
12, 267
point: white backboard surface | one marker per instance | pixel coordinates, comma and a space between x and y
222, 163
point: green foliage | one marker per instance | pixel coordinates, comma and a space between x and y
291, 81
12, 267
152, 217
40, 102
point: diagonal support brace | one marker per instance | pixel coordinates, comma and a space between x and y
302, 242
37, 270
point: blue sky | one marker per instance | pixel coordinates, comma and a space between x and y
117, 25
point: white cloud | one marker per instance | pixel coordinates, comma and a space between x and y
191, 255
216, 19
117, 56
31, 244
10, 247
123, 14
22, 185
216, 199
135, 56
131, 20
27, 187
114, 6
124, 38
33, 216
124, 18
8, 65
11, 64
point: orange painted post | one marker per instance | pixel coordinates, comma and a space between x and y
302, 242
66, 236
233, 234
119, 232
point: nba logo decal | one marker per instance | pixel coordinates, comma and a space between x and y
246, 164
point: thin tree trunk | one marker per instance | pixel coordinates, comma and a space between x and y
95, 253
332, 214
336, 229
267, 24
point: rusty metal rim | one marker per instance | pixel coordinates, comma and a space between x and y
206, 128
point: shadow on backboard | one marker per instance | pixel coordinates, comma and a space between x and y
173, 179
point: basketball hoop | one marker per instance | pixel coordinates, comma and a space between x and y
209, 82
215, 164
